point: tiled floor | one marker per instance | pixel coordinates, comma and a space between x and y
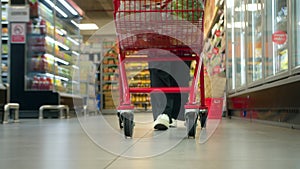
96, 142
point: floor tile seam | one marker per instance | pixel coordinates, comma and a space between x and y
127, 149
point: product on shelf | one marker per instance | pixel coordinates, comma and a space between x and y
4, 67
37, 26
4, 11
5, 49
33, 8
4, 31
50, 65
42, 83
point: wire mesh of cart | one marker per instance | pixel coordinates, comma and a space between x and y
170, 25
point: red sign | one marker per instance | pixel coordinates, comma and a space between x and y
279, 37
18, 33
218, 33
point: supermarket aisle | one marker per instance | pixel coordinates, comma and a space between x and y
63, 144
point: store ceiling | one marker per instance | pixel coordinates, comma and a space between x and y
99, 12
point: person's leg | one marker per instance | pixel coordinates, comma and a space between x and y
159, 76
181, 73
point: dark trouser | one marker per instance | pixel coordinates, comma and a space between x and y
169, 74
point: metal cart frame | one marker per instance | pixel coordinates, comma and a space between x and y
131, 29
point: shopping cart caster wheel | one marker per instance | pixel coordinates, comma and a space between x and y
203, 118
120, 120
128, 124
191, 123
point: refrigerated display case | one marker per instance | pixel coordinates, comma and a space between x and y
236, 45
52, 53
271, 44
239, 43
230, 66
276, 43
296, 35
254, 23
48, 59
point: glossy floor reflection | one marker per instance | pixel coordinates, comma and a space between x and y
97, 142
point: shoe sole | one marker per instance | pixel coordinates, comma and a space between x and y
160, 127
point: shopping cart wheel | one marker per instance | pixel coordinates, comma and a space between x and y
120, 120
203, 117
128, 124
191, 123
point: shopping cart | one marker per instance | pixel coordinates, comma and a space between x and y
172, 25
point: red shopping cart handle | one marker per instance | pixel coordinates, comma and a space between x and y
149, 59
160, 90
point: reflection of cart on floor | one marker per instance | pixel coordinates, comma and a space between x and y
172, 25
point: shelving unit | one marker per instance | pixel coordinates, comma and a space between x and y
4, 57
90, 76
88, 85
137, 73
49, 57
109, 76
5, 40
281, 23
214, 49
52, 55
215, 42
139, 76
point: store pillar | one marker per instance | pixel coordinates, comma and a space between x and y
18, 16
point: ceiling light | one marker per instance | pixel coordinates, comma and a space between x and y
67, 5
88, 26
56, 8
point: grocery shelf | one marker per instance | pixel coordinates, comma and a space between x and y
49, 63
70, 95
108, 74
4, 45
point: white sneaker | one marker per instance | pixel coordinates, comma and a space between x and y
173, 124
162, 122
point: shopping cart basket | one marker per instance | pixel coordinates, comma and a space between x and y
173, 25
